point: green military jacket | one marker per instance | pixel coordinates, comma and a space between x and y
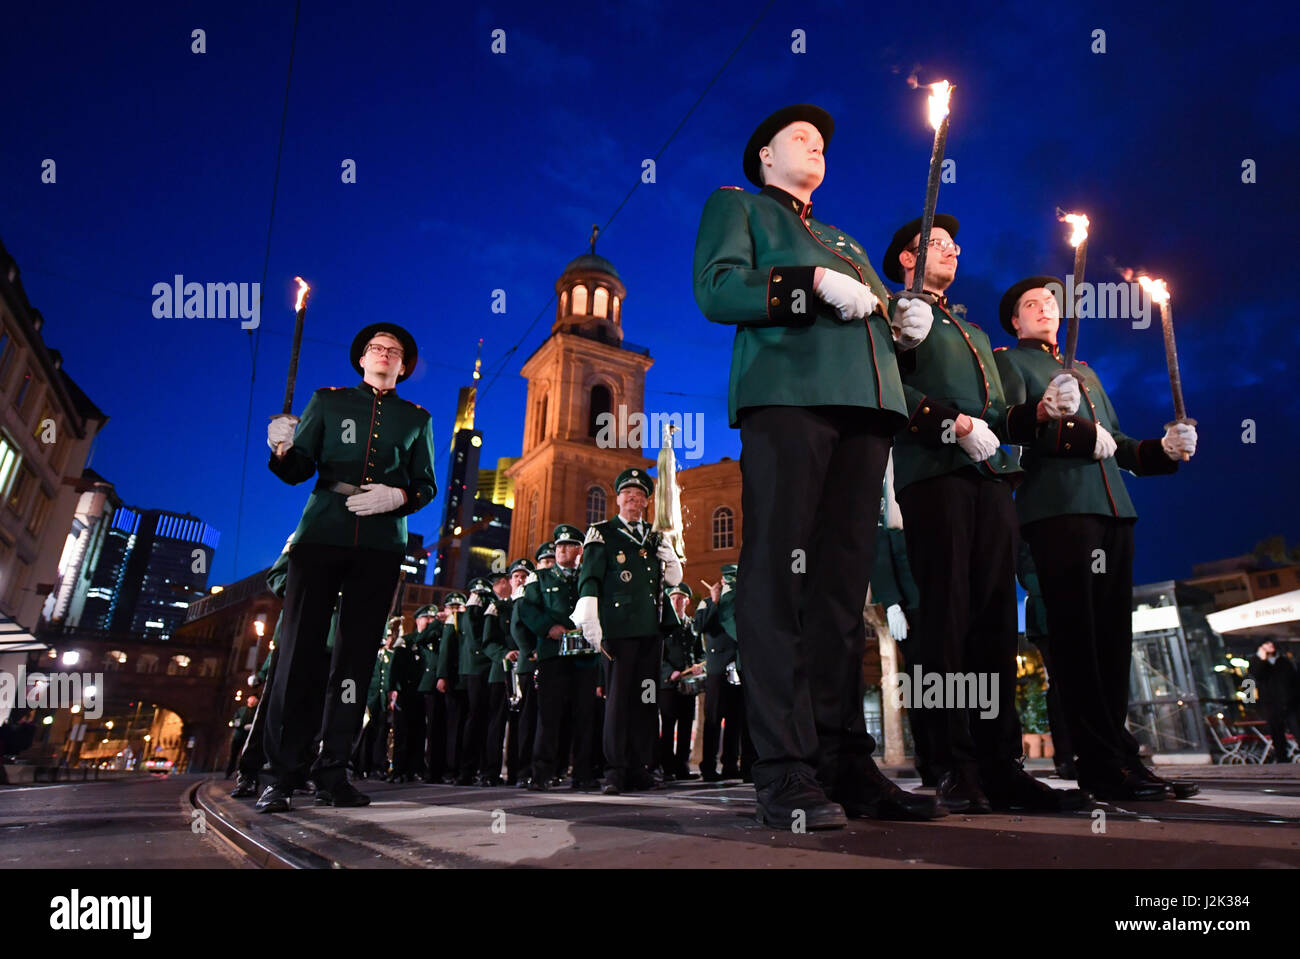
426, 644
1061, 477
243, 718
523, 638
355, 435
625, 574
449, 654
716, 622
682, 646
496, 637
755, 257
951, 372
380, 681
408, 672
548, 601
891, 576
472, 658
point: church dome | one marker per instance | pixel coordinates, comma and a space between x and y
591, 262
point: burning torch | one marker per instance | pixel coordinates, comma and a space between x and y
1078, 240
301, 307
1160, 293
939, 94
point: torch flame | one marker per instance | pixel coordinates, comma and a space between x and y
1159, 292
303, 290
1080, 224
939, 94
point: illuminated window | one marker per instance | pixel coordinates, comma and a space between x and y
724, 528
22, 485
600, 301
595, 505
8, 463
533, 510
579, 299
617, 303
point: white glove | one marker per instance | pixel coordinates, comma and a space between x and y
672, 565
1180, 438
280, 430
980, 443
474, 599
897, 622
1105, 444
586, 616
375, 498
851, 299
1061, 397
911, 323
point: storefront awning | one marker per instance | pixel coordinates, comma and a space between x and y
15, 639
1273, 611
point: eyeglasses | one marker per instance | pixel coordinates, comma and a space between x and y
393, 352
940, 244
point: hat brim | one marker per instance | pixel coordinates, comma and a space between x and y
903, 237
410, 353
1007, 308
777, 122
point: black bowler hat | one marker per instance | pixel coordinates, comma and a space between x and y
903, 239
777, 122
1007, 308
409, 351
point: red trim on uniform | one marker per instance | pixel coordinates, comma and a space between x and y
871, 343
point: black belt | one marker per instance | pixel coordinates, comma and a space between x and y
345, 489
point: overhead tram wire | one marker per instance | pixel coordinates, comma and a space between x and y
700, 99
254, 340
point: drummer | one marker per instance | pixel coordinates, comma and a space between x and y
566, 676
681, 679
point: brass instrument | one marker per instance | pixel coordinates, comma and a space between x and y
573, 643
668, 496
516, 687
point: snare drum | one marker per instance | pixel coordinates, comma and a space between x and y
573, 643
691, 685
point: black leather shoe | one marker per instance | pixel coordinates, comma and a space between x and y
586, 785
1065, 769
641, 782
710, 776
245, 786
959, 791
1021, 790
465, 779
1126, 784
538, 786
275, 799
344, 794
867, 793
612, 787
1178, 788
795, 798
490, 782
730, 772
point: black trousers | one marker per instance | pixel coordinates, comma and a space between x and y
1090, 622
408, 735
526, 728
723, 702
1062, 747
676, 718
598, 731
1279, 721
237, 743
253, 755
457, 718
305, 697
564, 686
809, 476
630, 720
960, 530
474, 736
435, 735
498, 707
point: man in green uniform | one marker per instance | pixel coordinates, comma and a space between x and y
545, 556
428, 632
451, 684
372, 453
1072, 508
953, 482
407, 709
683, 654
523, 732
815, 392
724, 699
497, 644
564, 683
624, 568
240, 724
474, 669
371, 757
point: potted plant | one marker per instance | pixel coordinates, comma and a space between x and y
1031, 706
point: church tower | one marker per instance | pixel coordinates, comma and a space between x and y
582, 370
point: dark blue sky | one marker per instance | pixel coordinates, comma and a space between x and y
478, 171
